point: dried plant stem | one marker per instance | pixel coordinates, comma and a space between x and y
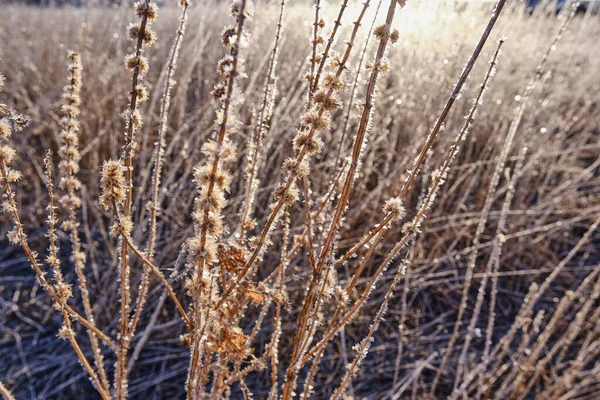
493, 264
455, 95
536, 76
564, 342
358, 142
64, 290
318, 354
104, 393
79, 270
480, 228
5, 392
158, 163
536, 292
196, 369
530, 357
313, 295
533, 296
366, 239
298, 159
325, 54
37, 268
362, 131
315, 44
437, 127
438, 179
124, 271
261, 128
142, 256
359, 68
69, 163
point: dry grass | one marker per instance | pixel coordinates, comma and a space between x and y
277, 223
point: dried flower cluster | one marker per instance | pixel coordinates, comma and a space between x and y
213, 180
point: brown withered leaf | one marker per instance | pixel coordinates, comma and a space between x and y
234, 343
257, 298
231, 257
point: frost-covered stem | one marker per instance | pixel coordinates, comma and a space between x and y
341, 304
358, 142
308, 235
330, 41
161, 277
533, 296
320, 272
437, 180
565, 340
365, 344
63, 288
354, 86
536, 293
493, 265
514, 380
455, 95
491, 190
363, 348
133, 122
298, 159
482, 221
5, 392
402, 323
313, 59
104, 393
274, 344
69, 165
438, 125
261, 128
366, 239
22, 240
124, 235
196, 370
158, 161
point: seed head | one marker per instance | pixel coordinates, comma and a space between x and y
316, 121
134, 62
146, 9
64, 290
382, 32
65, 332
13, 175
334, 82
16, 236
7, 154
219, 92
313, 143
329, 102
113, 184
225, 65
227, 36
19, 122
395, 207
141, 92
147, 35
5, 128
122, 227
289, 196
